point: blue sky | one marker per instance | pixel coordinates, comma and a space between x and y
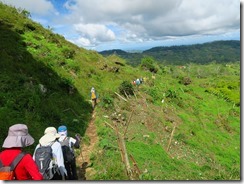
136, 24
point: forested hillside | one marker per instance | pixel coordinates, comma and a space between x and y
218, 51
181, 123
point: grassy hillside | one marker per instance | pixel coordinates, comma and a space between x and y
179, 124
45, 80
206, 141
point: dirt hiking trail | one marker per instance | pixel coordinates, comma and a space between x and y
85, 170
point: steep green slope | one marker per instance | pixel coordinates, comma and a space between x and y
45, 80
32, 91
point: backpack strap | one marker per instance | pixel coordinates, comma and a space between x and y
65, 140
16, 160
1, 164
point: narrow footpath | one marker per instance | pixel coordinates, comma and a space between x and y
85, 170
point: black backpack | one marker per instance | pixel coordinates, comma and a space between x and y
68, 153
44, 161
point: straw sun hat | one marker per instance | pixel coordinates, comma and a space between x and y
18, 136
50, 135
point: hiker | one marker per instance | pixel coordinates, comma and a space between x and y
18, 138
93, 97
138, 82
141, 80
55, 169
68, 145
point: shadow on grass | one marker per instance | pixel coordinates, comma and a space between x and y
32, 93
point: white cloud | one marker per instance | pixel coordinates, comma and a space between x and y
39, 7
98, 21
154, 19
95, 32
83, 41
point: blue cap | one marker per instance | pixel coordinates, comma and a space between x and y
62, 128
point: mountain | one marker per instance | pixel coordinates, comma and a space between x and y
181, 123
217, 51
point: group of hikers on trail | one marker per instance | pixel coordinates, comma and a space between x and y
138, 81
53, 158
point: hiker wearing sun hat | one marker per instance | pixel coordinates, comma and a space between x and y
50, 139
18, 138
68, 145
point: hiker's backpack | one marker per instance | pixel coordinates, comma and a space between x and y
93, 95
45, 163
7, 172
68, 153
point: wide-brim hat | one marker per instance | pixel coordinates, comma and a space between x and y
50, 135
18, 136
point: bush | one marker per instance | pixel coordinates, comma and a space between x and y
148, 63
107, 101
126, 88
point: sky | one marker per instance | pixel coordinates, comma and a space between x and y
134, 25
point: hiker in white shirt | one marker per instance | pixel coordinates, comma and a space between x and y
50, 138
69, 156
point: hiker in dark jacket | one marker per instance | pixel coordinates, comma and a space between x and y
70, 143
18, 137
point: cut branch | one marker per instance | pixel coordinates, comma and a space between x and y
135, 165
120, 96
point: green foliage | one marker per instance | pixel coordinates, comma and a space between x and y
126, 88
171, 93
46, 81
218, 51
148, 63
226, 90
34, 90
107, 101
68, 53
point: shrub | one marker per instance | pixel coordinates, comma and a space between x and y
185, 80
126, 88
148, 63
107, 101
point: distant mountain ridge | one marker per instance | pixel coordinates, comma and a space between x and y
218, 51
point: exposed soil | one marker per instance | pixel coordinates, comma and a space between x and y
85, 170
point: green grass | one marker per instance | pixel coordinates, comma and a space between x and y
205, 144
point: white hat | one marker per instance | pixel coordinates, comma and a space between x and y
50, 135
18, 136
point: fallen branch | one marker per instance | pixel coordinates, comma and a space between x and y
124, 154
135, 165
120, 96
126, 94
109, 125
